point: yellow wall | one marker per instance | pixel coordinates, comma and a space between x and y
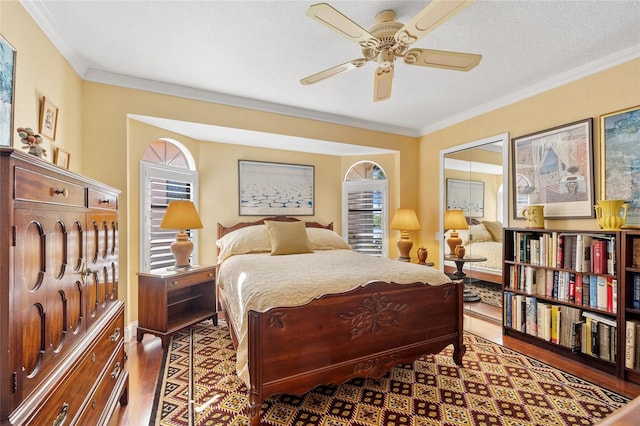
610, 90
42, 71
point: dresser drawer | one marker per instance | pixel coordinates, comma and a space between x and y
102, 200
109, 339
65, 404
188, 280
95, 408
32, 186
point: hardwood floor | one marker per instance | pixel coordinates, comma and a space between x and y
145, 359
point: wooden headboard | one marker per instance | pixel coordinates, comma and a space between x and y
223, 230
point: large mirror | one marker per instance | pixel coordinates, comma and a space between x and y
474, 206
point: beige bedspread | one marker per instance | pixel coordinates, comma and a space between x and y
260, 281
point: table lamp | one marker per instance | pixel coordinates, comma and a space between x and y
405, 220
455, 221
181, 215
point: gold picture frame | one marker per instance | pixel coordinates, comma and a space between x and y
48, 119
62, 158
620, 160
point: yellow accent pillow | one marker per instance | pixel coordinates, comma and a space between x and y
495, 229
288, 237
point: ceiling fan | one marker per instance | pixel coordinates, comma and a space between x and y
388, 40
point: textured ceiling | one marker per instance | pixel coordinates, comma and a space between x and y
253, 54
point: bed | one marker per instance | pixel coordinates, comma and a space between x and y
323, 314
482, 239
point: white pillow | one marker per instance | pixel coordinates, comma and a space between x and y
326, 239
251, 239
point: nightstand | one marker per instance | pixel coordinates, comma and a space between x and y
171, 299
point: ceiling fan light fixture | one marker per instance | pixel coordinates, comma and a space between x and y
388, 40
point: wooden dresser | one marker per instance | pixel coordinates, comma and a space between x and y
61, 323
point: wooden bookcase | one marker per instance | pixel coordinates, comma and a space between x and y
630, 274
533, 254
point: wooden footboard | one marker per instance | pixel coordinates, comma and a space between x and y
361, 333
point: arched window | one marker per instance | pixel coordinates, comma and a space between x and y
167, 172
364, 208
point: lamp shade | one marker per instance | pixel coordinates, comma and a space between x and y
454, 219
181, 215
405, 220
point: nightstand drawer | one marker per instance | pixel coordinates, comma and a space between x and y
32, 186
190, 279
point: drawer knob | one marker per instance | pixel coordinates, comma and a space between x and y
103, 201
116, 335
93, 357
62, 415
55, 191
210, 274
93, 403
116, 371
175, 282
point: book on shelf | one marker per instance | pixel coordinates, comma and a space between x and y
555, 323
635, 303
594, 328
578, 286
604, 336
576, 335
586, 292
544, 320
508, 308
601, 281
531, 320
611, 256
599, 257
612, 294
572, 287
593, 291
630, 343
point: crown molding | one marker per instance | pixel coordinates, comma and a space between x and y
586, 70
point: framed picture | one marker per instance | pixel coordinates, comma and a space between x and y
620, 160
7, 82
554, 168
466, 195
62, 158
48, 119
275, 189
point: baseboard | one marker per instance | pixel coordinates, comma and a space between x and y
130, 331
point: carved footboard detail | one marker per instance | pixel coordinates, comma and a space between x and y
361, 333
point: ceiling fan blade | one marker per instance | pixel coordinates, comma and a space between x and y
435, 14
442, 59
330, 17
382, 83
338, 69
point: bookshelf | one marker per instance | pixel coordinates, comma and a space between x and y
560, 292
630, 277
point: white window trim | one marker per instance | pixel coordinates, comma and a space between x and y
147, 170
366, 185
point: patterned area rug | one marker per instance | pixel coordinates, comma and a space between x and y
489, 293
495, 386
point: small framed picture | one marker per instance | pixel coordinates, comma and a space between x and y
62, 158
48, 119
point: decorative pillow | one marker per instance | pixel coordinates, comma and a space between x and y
288, 237
326, 239
251, 239
495, 229
479, 233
